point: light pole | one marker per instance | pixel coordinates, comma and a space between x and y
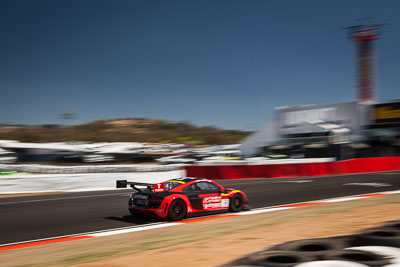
67, 115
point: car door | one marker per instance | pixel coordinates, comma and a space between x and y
192, 192
210, 195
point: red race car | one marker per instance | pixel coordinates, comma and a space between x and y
175, 199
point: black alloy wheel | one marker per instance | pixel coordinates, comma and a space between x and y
177, 210
236, 203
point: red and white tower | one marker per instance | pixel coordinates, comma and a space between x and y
363, 36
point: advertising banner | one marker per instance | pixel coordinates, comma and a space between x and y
346, 115
386, 113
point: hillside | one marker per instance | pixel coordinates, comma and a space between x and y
123, 130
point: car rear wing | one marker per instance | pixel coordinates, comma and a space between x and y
156, 188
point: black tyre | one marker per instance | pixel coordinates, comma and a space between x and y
359, 256
177, 210
236, 203
381, 236
314, 247
393, 224
279, 258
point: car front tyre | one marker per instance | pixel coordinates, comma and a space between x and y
236, 203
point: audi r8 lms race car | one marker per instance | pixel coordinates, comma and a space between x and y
175, 199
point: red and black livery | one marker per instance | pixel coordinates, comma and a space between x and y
177, 198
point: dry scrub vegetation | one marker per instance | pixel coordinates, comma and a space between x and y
123, 130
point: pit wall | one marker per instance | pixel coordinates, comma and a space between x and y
360, 165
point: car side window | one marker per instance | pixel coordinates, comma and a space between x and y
212, 187
202, 186
194, 187
171, 185
190, 188
206, 186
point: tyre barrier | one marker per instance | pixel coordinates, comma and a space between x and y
379, 237
393, 224
358, 256
373, 247
278, 258
315, 247
389, 252
331, 263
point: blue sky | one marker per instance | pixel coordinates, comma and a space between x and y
217, 62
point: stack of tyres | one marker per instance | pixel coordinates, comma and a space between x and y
393, 224
374, 247
272, 258
362, 257
382, 236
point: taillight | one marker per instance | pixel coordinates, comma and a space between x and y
156, 199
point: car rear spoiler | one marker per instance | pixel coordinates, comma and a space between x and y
125, 183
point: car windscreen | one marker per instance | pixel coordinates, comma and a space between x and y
171, 185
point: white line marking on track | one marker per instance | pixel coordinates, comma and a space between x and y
334, 200
294, 181
258, 182
389, 173
370, 184
355, 174
272, 181
130, 230
62, 198
263, 210
83, 234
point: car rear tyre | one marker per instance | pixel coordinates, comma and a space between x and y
236, 203
177, 210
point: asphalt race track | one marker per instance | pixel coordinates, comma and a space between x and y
45, 216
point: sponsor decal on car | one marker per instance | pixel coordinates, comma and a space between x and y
215, 202
225, 203
159, 188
